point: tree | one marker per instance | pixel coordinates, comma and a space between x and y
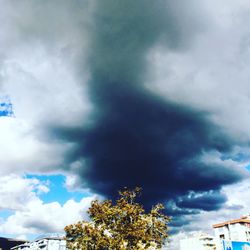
119, 226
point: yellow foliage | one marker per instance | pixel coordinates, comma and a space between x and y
119, 226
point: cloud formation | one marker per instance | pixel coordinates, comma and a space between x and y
136, 137
29, 214
129, 93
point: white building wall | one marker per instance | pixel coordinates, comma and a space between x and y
190, 244
199, 242
43, 244
232, 232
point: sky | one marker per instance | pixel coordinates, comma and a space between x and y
100, 95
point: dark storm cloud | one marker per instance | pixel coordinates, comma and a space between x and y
122, 32
207, 201
178, 222
135, 138
138, 139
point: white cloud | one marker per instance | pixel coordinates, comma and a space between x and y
30, 214
38, 55
16, 192
21, 151
43, 87
39, 217
72, 182
44, 91
39, 46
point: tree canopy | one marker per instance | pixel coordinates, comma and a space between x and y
119, 226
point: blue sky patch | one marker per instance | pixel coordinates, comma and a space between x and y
58, 192
6, 213
6, 106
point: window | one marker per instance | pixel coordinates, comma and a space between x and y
248, 235
222, 236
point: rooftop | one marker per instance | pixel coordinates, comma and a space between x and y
243, 219
50, 236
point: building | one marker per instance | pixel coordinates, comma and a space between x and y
233, 230
235, 245
199, 241
8, 243
44, 242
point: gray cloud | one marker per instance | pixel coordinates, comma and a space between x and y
135, 137
207, 201
39, 225
125, 51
